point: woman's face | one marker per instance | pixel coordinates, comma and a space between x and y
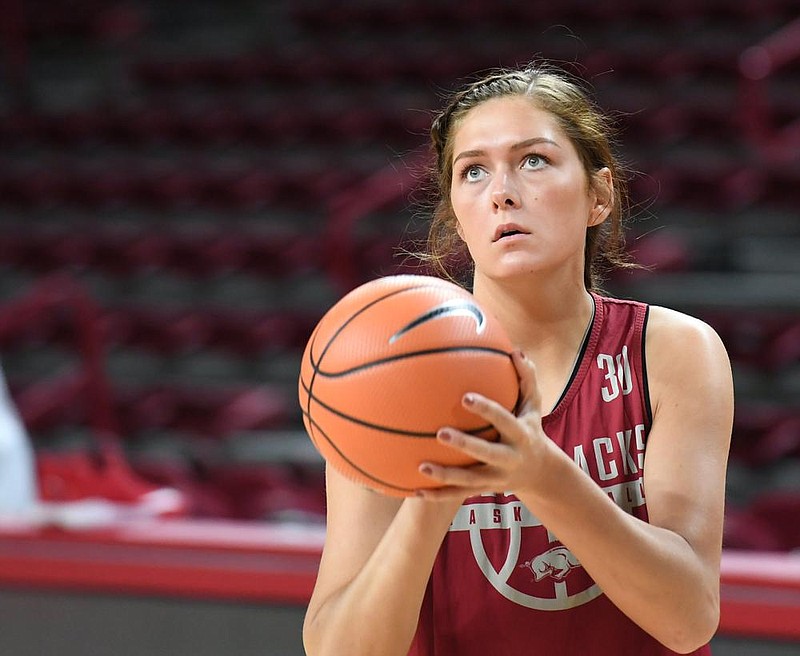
520, 192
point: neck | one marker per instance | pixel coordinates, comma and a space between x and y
535, 316
547, 322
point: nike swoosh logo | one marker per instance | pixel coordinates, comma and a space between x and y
448, 309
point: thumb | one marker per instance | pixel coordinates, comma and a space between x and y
530, 398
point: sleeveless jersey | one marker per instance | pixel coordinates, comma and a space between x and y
502, 584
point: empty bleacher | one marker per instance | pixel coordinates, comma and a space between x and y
214, 175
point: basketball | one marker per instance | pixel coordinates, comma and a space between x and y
388, 365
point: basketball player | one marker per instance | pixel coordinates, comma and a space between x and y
593, 527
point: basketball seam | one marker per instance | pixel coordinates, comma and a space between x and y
383, 429
353, 465
315, 366
407, 355
353, 316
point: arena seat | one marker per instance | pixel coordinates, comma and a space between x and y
154, 329
209, 412
780, 509
745, 530
767, 340
271, 492
784, 347
203, 499
764, 433
244, 135
781, 440
45, 405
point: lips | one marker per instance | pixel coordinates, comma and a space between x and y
508, 230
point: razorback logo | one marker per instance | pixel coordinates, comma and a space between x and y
557, 563
502, 521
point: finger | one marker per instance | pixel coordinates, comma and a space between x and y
454, 477
502, 419
530, 395
477, 448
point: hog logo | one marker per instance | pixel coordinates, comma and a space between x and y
550, 567
556, 563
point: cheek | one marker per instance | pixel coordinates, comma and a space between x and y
461, 212
569, 202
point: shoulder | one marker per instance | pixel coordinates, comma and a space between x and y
685, 356
675, 331
666, 329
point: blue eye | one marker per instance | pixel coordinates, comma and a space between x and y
534, 161
473, 173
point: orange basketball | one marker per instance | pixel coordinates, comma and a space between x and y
388, 365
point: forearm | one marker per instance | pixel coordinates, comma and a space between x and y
651, 573
378, 610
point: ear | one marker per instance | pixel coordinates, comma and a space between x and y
603, 191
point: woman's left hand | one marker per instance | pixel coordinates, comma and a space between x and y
510, 463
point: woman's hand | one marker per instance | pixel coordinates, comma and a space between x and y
510, 463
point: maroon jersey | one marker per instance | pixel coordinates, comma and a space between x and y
502, 583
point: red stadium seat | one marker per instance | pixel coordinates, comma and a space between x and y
53, 403
745, 530
784, 347
763, 434
781, 510
204, 412
271, 492
261, 146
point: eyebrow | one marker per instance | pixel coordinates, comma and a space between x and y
517, 146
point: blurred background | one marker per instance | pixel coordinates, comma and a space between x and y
186, 187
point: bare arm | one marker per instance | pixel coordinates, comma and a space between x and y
378, 556
664, 575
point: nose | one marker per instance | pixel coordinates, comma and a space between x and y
505, 195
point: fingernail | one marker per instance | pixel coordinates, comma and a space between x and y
469, 399
445, 436
426, 469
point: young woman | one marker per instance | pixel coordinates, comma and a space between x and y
594, 525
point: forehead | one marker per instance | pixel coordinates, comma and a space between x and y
507, 119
